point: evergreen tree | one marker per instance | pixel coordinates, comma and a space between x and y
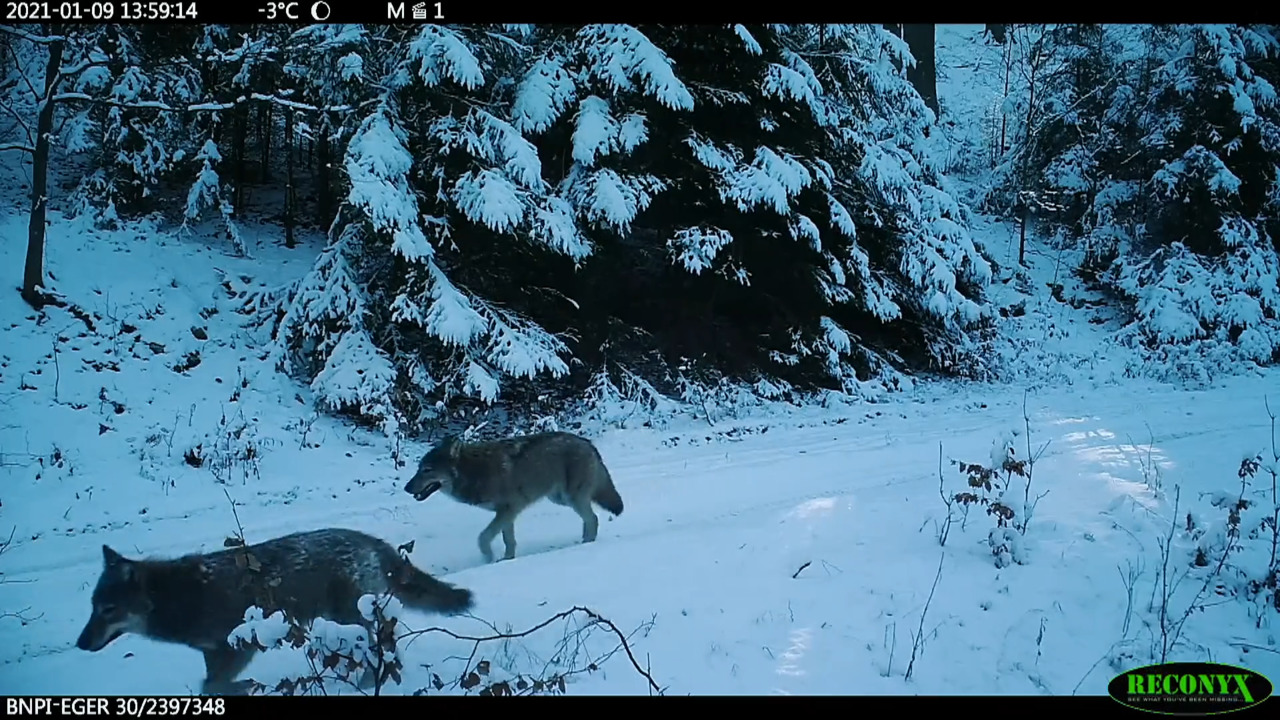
1163, 141
382, 325
672, 204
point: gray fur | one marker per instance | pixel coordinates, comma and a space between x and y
507, 476
197, 600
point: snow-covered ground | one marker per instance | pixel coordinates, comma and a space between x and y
789, 550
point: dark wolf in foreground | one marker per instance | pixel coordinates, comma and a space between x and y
507, 476
197, 600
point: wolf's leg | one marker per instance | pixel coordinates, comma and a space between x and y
509, 538
590, 523
221, 668
369, 675
504, 518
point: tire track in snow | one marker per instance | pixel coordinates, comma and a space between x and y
795, 445
802, 453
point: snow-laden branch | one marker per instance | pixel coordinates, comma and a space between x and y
42, 39
201, 107
69, 71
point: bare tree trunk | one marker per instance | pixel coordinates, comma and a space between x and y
324, 190
240, 139
1031, 137
289, 209
33, 270
1023, 211
264, 142
1004, 118
924, 76
1035, 61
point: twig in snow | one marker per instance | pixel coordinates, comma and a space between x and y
917, 643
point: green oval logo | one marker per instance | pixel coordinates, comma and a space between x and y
1190, 688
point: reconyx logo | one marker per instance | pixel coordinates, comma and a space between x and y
1190, 688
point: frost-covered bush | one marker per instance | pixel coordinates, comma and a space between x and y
1197, 315
338, 655
1002, 487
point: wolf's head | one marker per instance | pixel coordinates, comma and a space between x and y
435, 470
120, 603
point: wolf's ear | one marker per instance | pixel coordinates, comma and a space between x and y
115, 561
111, 558
452, 446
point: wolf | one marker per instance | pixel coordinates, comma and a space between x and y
198, 599
508, 475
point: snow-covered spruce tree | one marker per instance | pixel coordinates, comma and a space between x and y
588, 103
142, 115
334, 69
619, 191
754, 220
239, 74
208, 191
1177, 175
1061, 122
328, 66
440, 186
121, 82
1212, 281
932, 270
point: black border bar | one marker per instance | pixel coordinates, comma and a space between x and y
856, 706
411, 12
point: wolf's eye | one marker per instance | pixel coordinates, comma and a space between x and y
107, 609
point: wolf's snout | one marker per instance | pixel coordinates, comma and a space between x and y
421, 491
86, 640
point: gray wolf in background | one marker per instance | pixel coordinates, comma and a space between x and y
507, 476
197, 600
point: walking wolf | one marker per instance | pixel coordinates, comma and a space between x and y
507, 476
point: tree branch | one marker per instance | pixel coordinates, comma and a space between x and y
202, 107
595, 617
40, 39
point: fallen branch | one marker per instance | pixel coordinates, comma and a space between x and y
8, 541
1251, 646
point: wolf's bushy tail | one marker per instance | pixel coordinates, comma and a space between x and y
421, 591
606, 495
